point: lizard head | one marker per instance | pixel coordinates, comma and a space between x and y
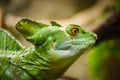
60, 46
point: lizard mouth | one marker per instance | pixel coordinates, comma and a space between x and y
80, 42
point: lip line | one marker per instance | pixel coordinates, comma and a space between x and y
72, 41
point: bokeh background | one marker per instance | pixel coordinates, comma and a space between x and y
102, 62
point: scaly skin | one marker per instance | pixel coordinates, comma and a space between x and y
55, 49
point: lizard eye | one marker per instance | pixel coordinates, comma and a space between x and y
74, 31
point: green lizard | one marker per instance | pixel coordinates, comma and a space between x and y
55, 49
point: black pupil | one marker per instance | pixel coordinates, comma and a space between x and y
75, 30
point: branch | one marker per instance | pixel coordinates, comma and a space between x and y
110, 28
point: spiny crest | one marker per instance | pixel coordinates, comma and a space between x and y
28, 27
9, 43
53, 23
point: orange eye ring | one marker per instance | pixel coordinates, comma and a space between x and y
75, 31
